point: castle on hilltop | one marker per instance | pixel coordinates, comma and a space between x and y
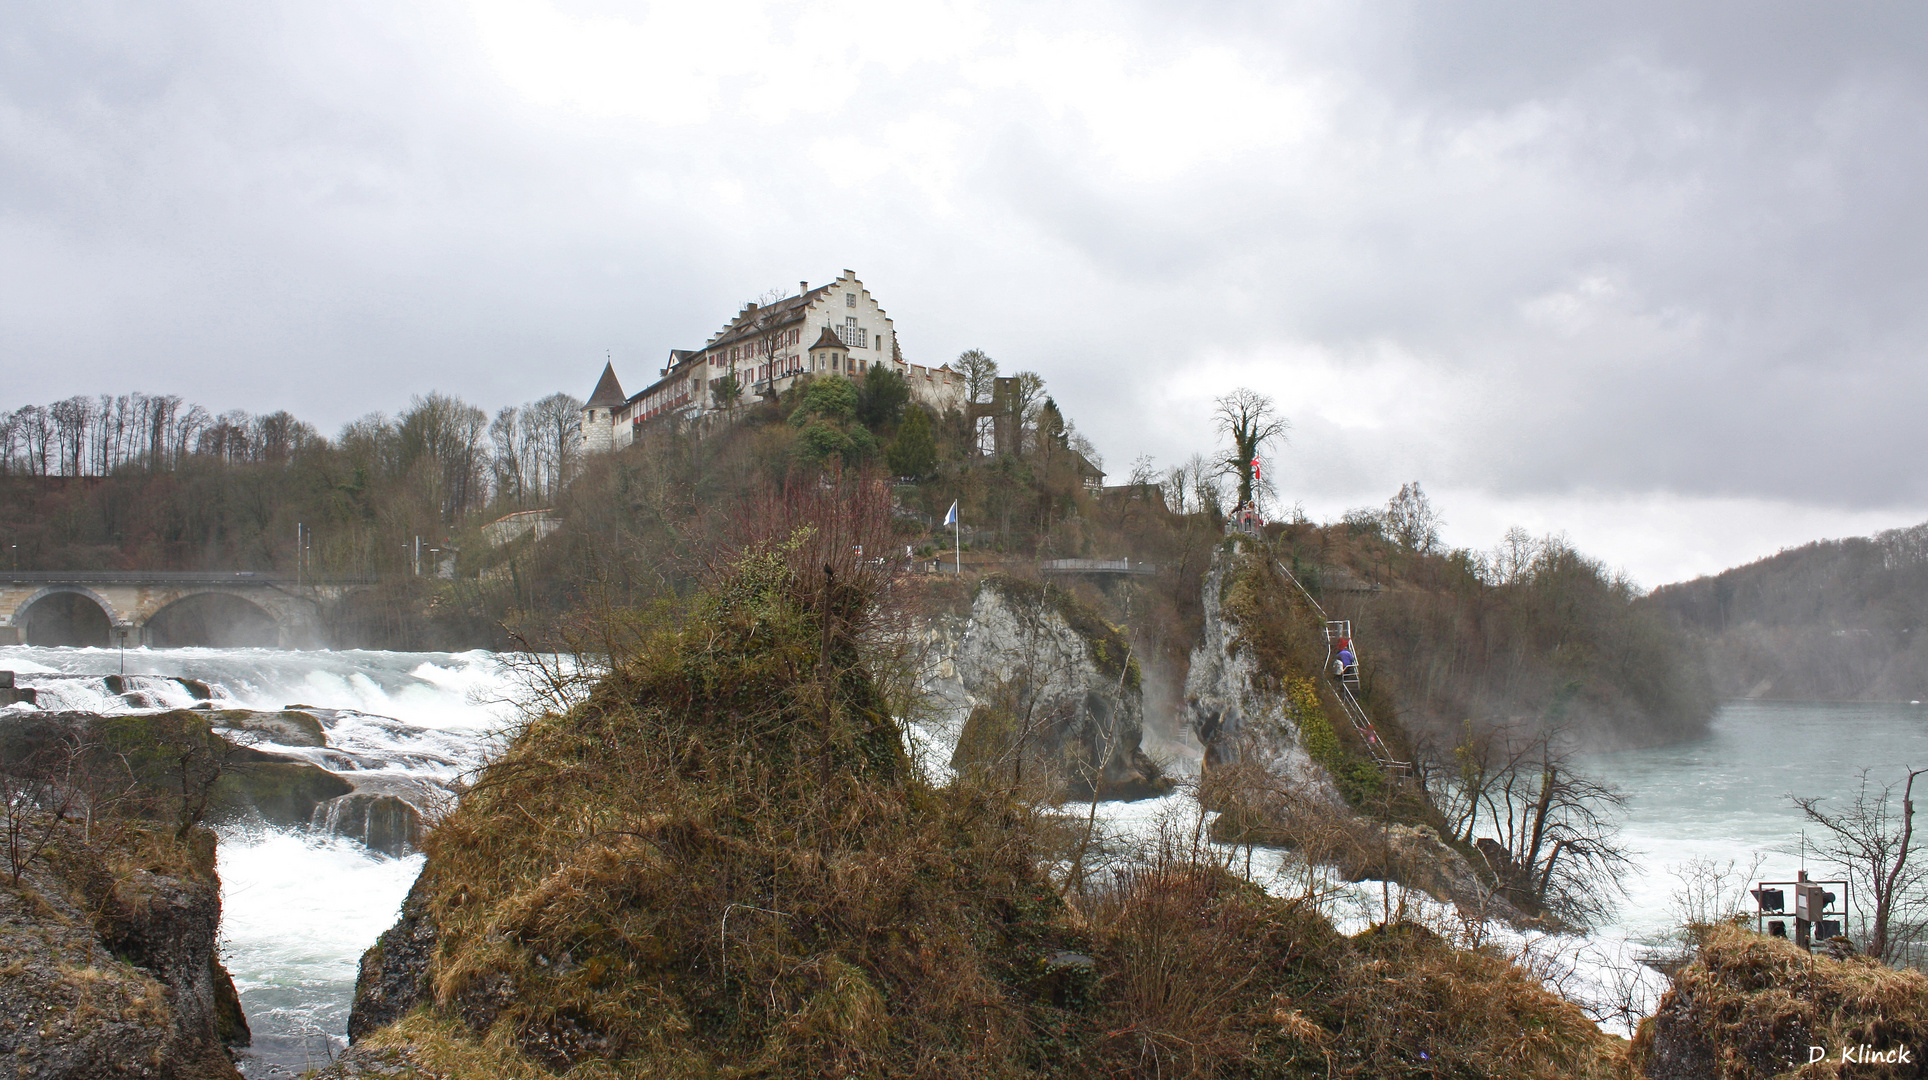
835, 330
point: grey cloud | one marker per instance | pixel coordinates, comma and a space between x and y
1632, 249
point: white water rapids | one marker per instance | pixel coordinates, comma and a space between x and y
299, 908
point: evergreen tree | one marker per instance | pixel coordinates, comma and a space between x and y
914, 453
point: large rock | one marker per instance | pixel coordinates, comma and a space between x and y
156, 749
394, 971
1750, 1006
383, 822
1236, 714
1037, 680
108, 962
1261, 774
288, 727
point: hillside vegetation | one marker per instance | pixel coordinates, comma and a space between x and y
1533, 636
1835, 620
723, 864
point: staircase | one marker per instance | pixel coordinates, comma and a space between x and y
1344, 684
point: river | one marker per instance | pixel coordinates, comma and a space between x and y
300, 908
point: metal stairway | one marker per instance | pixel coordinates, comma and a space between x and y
1343, 683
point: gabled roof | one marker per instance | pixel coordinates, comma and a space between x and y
609, 392
827, 340
752, 321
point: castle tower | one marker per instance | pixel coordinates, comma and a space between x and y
830, 354
599, 412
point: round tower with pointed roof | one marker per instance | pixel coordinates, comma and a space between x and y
599, 412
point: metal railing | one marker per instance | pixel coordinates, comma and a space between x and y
1096, 566
1342, 685
174, 577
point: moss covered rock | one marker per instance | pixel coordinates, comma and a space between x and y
185, 771
108, 963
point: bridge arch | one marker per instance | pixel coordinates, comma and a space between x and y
217, 618
65, 615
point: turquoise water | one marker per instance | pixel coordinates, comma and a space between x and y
1725, 797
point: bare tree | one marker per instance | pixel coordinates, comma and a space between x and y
70, 420
511, 455
1411, 520
1204, 479
1249, 419
980, 374
1549, 833
549, 430
1871, 841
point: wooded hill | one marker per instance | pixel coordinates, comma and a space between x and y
1532, 636
1835, 620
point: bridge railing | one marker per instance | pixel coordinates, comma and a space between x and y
172, 577
1096, 566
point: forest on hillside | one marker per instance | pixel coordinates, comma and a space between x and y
1531, 637
1835, 620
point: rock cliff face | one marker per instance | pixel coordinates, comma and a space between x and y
1253, 700
1032, 680
108, 966
1227, 708
394, 972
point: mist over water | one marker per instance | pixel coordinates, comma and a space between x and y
1724, 797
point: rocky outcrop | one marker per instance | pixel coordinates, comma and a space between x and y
394, 971
1747, 1005
155, 749
383, 811
1035, 680
289, 727
1232, 711
382, 822
1270, 752
108, 962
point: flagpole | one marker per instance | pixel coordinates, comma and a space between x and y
957, 546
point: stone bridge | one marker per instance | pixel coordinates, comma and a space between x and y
165, 608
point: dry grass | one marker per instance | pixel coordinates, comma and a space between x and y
1750, 1006
722, 865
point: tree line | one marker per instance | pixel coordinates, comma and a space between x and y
174, 485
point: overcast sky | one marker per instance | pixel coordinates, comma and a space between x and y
1648, 274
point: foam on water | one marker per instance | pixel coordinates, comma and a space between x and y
296, 912
299, 908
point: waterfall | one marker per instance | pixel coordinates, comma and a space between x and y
299, 906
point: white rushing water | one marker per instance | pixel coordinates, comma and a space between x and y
300, 908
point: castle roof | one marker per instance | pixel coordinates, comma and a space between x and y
827, 340
752, 320
609, 392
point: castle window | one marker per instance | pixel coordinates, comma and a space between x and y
850, 299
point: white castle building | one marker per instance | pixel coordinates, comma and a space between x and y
835, 330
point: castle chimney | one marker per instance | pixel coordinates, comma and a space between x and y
803, 288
